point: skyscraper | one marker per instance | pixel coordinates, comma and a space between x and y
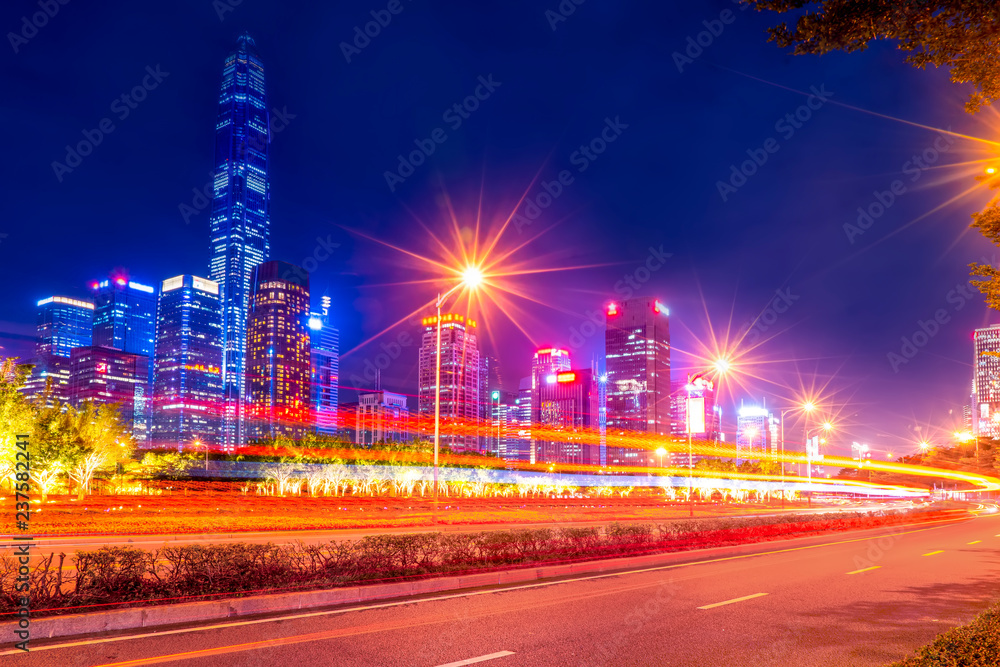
637, 353
124, 315
102, 375
187, 367
240, 221
568, 427
546, 363
986, 382
459, 379
756, 429
278, 357
324, 343
125, 319
63, 324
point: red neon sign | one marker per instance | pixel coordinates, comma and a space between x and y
612, 309
566, 377
101, 367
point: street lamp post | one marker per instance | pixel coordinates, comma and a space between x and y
471, 278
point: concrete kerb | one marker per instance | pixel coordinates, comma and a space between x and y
193, 612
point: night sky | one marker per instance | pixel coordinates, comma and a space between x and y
847, 301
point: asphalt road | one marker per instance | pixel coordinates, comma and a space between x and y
864, 598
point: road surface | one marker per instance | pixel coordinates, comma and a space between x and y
863, 598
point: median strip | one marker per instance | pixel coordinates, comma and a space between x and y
865, 569
734, 600
934, 553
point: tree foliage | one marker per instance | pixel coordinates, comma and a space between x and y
960, 35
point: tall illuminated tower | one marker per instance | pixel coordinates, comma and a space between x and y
324, 342
637, 353
240, 221
278, 397
546, 363
986, 382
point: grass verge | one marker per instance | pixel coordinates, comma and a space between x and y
974, 645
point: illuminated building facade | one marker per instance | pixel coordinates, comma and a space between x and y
459, 380
102, 376
545, 364
986, 382
124, 315
637, 357
324, 351
568, 425
278, 353
240, 220
63, 324
381, 416
187, 366
756, 434
125, 319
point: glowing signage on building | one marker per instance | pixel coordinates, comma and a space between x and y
566, 377
101, 367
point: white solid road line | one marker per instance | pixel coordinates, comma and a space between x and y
482, 658
745, 597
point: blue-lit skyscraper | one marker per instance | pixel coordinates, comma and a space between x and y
124, 315
324, 346
240, 221
125, 320
188, 363
63, 324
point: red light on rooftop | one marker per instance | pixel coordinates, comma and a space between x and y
612, 309
94, 285
121, 281
656, 306
546, 350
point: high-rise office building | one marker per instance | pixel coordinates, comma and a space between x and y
63, 324
986, 382
324, 345
124, 315
278, 354
187, 367
637, 358
545, 364
103, 375
240, 221
756, 431
125, 319
381, 416
568, 425
459, 393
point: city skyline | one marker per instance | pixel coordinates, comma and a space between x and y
879, 393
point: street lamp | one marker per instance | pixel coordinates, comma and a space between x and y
472, 277
197, 443
806, 407
661, 452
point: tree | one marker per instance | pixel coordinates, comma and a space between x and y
961, 35
17, 415
102, 442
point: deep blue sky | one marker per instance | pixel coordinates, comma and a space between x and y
656, 185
